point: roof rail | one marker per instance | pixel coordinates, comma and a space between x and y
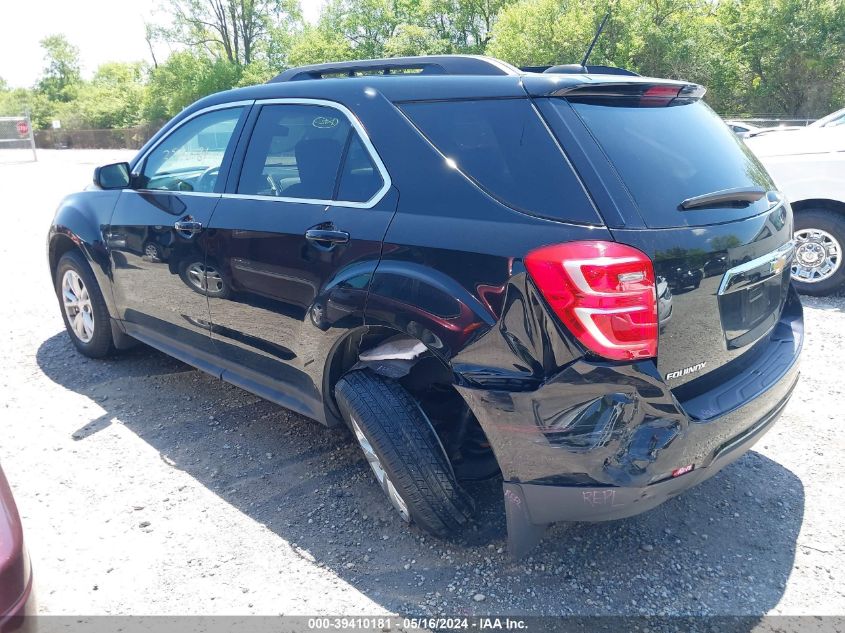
576, 69
424, 65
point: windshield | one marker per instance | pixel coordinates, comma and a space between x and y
831, 120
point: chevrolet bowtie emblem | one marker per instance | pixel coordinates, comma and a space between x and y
779, 264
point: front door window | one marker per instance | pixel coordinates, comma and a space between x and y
190, 158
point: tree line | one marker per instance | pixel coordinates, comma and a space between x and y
781, 57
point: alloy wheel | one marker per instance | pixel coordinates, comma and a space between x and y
77, 304
818, 256
381, 475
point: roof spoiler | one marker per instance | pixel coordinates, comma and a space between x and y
645, 91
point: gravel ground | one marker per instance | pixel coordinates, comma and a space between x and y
147, 487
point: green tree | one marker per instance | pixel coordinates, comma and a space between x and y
61, 75
543, 32
318, 44
236, 30
779, 56
411, 39
17, 101
258, 72
184, 78
678, 39
365, 24
466, 24
112, 99
788, 54
388, 28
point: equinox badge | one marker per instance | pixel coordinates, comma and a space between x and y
686, 371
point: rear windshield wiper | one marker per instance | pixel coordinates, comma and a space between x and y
725, 196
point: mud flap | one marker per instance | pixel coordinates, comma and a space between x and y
523, 535
120, 338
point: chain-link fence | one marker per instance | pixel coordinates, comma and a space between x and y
770, 120
126, 138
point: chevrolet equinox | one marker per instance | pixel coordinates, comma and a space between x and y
574, 278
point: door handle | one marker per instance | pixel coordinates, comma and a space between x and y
327, 236
188, 226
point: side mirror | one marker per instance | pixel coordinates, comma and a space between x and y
114, 176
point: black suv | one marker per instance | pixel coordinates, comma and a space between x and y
578, 280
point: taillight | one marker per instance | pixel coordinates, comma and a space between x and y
659, 95
603, 292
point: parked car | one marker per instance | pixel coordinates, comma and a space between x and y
741, 129
461, 262
808, 166
833, 119
17, 598
682, 278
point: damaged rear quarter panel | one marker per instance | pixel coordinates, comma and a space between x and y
591, 424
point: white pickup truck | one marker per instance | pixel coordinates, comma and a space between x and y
808, 165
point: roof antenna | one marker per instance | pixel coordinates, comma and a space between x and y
595, 39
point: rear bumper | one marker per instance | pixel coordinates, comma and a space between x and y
599, 442
547, 504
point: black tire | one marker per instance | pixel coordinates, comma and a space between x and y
834, 224
408, 448
101, 343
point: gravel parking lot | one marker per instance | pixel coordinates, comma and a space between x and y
148, 487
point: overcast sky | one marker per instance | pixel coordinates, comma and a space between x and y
104, 30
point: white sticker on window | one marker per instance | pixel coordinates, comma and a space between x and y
325, 122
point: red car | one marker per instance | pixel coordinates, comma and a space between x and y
17, 600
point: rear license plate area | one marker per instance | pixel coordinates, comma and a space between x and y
751, 297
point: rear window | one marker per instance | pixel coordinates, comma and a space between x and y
665, 155
504, 147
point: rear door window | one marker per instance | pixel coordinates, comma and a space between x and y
308, 152
504, 147
665, 155
295, 152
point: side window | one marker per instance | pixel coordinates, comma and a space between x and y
189, 158
503, 146
359, 180
840, 120
295, 151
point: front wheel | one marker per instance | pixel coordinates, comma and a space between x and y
817, 266
404, 452
84, 310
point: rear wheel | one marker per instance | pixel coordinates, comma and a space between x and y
817, 266
84, 311
404, 452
